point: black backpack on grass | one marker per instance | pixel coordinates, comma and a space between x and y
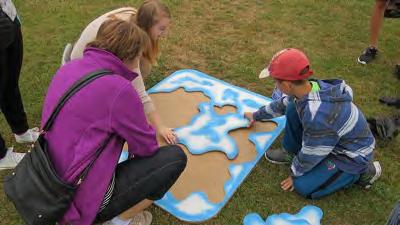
393, 9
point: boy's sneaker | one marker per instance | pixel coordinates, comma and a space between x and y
29, 136
397, 71
368, 55
278, 156
11, 160
372, 174
142, 218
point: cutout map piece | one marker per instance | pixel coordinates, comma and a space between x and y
209, 132
207, 115
308, 215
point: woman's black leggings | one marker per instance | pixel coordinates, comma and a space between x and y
11, 54
144, 178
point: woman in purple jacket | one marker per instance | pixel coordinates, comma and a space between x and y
109, 107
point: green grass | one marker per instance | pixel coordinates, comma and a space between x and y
233, 40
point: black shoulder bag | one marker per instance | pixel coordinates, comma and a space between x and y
38, 194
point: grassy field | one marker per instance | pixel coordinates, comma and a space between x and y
232, 40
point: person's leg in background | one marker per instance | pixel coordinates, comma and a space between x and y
6, 38
11, 101
376, 21
152, 178
10, 97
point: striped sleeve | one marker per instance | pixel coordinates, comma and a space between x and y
315, 148
138, 84
351, 122
273, 109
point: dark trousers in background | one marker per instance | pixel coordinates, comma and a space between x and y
323, 179
144, 178
10, 97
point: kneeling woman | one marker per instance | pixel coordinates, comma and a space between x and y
107, 112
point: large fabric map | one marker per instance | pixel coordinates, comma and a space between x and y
207, 116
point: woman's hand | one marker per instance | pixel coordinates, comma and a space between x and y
165, 132
287, 184
249, 116
168, 135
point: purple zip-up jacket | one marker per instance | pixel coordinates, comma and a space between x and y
107, 106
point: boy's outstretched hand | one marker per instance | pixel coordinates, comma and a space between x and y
287, 184
249, 116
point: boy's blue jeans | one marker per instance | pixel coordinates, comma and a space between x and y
323, 179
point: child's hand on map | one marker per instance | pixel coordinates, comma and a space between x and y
249, 116
168, 134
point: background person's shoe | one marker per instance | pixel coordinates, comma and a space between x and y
371, 175
30, 136
11, 160
368, 55
278, 156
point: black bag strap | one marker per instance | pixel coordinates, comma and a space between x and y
78, 85
87, 169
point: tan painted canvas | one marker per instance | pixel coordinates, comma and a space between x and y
206, 172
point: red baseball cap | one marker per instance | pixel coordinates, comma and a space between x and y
288, 64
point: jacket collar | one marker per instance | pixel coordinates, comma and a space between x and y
109, 61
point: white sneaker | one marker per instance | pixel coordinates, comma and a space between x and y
29, 136
142, 218
11, 160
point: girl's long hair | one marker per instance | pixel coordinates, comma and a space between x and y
149, 13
